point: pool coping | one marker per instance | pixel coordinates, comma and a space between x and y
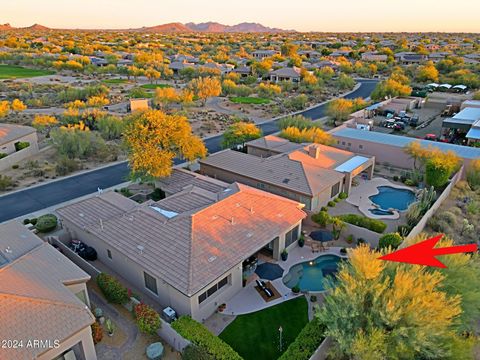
370, 188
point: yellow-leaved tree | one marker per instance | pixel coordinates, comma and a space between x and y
4, 108
154, 139
205, 87
383, 310
44, 122
165, 96
17, 105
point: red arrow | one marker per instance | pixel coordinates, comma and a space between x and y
424, 252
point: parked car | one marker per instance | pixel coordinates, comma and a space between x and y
399, 125
431, 137
414, 120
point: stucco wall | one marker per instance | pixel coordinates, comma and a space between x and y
17, 156
83, 338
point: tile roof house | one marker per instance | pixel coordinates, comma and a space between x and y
285, 74
186, 250
42, 297
312, 174
10, 136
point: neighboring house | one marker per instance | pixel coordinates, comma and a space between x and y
261, 54
13, 139
373, 56
243, 71
411, 58
97, 61
187, 250
285, 74
389, 149
177, 66
43, 297
467, 121
180, 179
309, 54
312, 174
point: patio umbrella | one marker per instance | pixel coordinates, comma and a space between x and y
269, 271
321, 235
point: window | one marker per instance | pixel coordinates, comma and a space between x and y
343, 142
261, 185
360, 146
205, 295
109, 253
150, 283
349, 144
291, 236
335, 190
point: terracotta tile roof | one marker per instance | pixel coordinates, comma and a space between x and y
283, 170
10, 132
202, 241
34, 301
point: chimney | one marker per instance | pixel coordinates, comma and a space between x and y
314, 151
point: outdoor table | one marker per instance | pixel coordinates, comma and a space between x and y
155, 351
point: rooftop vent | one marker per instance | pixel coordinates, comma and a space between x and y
211, 259
81, 214
285, 181
140, 248
166, 213
249, 235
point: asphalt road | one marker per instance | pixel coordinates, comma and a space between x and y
33, 199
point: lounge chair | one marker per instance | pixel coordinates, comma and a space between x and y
262, 286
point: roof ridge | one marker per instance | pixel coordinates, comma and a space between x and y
189, 257
20, 258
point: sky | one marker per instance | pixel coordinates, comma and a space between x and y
301, 15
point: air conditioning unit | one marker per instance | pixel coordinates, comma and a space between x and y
169, 314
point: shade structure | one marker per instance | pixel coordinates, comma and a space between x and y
321, 235
269, 271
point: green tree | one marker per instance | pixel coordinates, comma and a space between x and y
239, 133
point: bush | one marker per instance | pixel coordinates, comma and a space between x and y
409, 182
337, 199
148, 320
313, 298
194, 352
323, 208
2, 155
296, 289
331, 203
391, 240
395, 178
46, 223
321, 218
21, 145
362, 221
473, 175
65, 166
97, 332
342, 195
26, 221
350, 238
200, 336
343, 251
33, 221
361, 241
112, 289
307, 341
5, 182
15, 166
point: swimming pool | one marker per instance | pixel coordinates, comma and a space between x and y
310, 275
392, 198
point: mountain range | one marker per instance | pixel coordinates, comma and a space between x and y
176, 27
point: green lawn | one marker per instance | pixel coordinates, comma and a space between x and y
12, 72
255, 336
115, 81
154, 86
249, 100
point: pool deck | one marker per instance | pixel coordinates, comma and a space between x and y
248, 300
360, 197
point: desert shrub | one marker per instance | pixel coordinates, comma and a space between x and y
16, 166
438, 225
448, 217
5, 182
473, 175
375, 225
97, 332
75, 143
200, 336
65, 166
297, 121
321, 218
306, 342
110, 127
46, 223
296, 103
112, 289
391, 240
148, 320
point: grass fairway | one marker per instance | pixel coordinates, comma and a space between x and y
255, 336
115, 81
154, 86
249, 100
12, 72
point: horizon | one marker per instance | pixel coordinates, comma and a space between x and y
312, 16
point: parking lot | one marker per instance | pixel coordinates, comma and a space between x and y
427, 116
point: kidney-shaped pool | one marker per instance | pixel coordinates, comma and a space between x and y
310, 275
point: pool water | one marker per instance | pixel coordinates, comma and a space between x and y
310, 275
392, 198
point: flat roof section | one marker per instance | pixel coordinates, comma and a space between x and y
466, 152
352, 164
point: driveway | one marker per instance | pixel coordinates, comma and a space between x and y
29, 200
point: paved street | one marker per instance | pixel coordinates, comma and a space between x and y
33, 199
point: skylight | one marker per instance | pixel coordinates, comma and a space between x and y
166, 213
